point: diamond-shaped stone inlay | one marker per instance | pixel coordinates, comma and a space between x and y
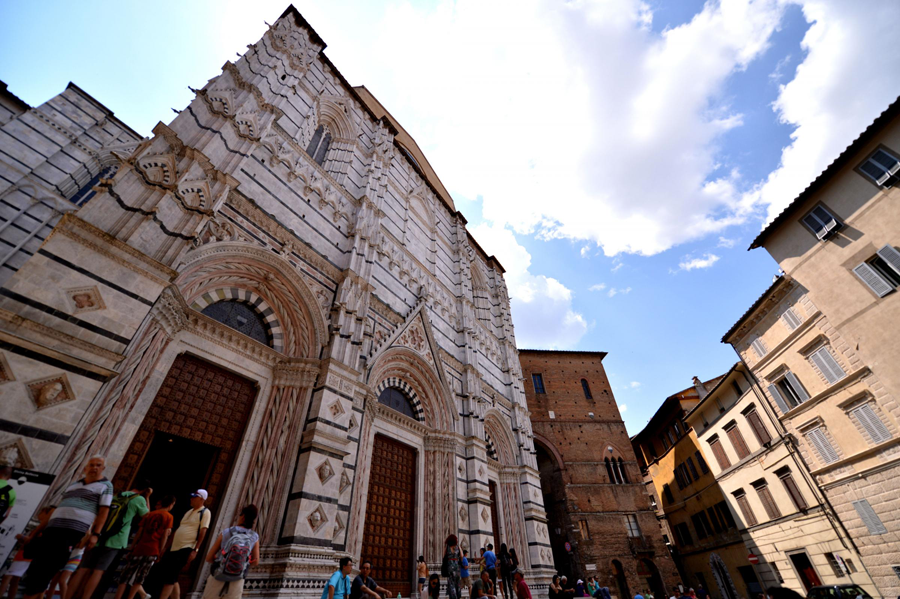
15, 454
460, 469
336, 409
324, 471
462, 514
51, 391
338, 526
353, 424
480, 471
317, 519
6, 373
85, 299
485, 514
345, 481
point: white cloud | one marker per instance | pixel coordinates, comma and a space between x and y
541, 306
613, 291
623, 408
597, 287
617, 267
726, 243
778, 74
697, 263
837, 91
634, 384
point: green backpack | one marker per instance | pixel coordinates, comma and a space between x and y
115, 521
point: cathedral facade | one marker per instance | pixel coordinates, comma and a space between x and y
273, 298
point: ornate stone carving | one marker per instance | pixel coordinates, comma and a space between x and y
6, 373
85, 299
345, 481
338, 526
15, 454
317, 519
485, 514
49, 392
463, 515
353, 424
336, 409
325, 472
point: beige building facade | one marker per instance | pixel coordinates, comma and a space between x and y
785, 522
823, 342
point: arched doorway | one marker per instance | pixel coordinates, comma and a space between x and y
554, 489
648, 571
723, 578
621, 581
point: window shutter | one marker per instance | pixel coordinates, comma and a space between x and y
802, 395
891, 256
746, 510
737, 440
759, 429
791, 319
873, 280
826, 451
869, 517
776, 395
758, 347
826, 363
720, 454
873, 425
794, 491
768, 502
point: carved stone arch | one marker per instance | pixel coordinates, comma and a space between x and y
548, 446
438, 408
504, 443
333, 113
221, 265
251, 298
410, 393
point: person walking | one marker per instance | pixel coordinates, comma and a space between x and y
232, 554
506, 572
7, 493
490, 563
125, 507
464, 578
186, 542
422, 571
149, 544
483, 588
450, 567
22, 558
522, 590
338, 586
364, 584
81, 514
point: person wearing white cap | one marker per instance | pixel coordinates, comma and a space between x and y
185, 543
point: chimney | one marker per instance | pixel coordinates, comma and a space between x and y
700, 387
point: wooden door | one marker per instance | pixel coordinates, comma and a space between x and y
390, 515
495, 515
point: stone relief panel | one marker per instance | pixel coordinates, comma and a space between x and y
6, 373
15, 453
49, 392
85, 299
317, 519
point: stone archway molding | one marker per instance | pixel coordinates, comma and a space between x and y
551, 449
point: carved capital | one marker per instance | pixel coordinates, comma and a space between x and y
298, 372
170, 311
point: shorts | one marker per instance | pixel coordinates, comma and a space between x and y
55, 545
215, 589
74, 560
171, 565
466, 582
18, 569
99, 558
421, 581
136, 569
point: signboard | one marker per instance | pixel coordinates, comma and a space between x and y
590, 567
568, 547
753, 558
30, 488
842, 564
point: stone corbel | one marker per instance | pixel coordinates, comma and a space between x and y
170, 311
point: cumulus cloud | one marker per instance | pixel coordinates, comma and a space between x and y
634, 384
613, 291
727, 243
541, 306
597, 287
697, 263
836, 92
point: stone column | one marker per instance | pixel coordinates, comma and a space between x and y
440, 494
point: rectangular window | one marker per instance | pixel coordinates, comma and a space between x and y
737, 441
583, 529
679, 477
671, 435
631, 525
790, 319
869, 517
683, 534
871, 423
821, 222
756, 423
719, 452
744, 505
677, 428
717, 525
538, 381
818, 439
701, 525
736, 387
788, 392
880, 167
701, 462
667, 493
827, 365
759, 347
692, 468
765, 496
790, 485
653, 503
881, 273
664, 442
835, 565
725, 514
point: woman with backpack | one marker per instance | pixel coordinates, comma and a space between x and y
235, 550
450, 567
507, 567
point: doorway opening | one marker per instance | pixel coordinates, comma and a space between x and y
805, 570
554, 490
723, 578
652, 579
621, 580
495, 515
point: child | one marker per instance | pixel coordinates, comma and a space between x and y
20, 563
62, 577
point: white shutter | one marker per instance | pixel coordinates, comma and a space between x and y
891, 256
869, 517
776, 395
870, 421
758, 347
792, 379
873, 280
790, 319
826, 363
822, 445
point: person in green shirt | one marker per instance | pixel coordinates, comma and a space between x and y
7, 493
130, 505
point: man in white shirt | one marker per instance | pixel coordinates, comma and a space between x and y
185, 543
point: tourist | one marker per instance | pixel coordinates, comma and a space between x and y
483, 587
579, 588
365, 584
338, 586
592, 586
422, 570
81, 514
149, 544
434, 587
691, 593
7, 493
186, 542
701, 592
638, 595
22, 559
61, 580
464, 577
567, 591
490, 564
506, 572
232, 553
648, 594
604, 593
522, 590
451, 566
125, 507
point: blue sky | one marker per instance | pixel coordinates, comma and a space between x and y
618, 157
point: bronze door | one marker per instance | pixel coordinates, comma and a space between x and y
390, 515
